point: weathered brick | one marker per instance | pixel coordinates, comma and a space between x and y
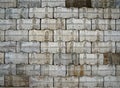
1, 35
45, 58
91, 35
7, 24
66, 82
103, 47
8, 46
40, 35
53, 70
112, 81
90, 82
118, 47
1, 58
103, 24
91, 59
30, 47
79, 47
65, 59
7, 3
16, 81
118, 70
53, 23
41, 81
112, 35
28, 24
103, 70
29, 3
16, 35
107, 13
79, 24
1, 80
27, 69
16, 13
2, 13
117, 3
115, 13
61, 12
118, 24
53, 47
65, 35
6, 69
16, 58
41, 12
79, 70
53, 3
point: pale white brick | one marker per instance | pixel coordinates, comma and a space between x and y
1, 58
79, 47
118, 70
91, 59
41, 12
16, 58
103, 70
79, 70
7, 46
103, 24
7, 3
2, 13
115, 13
16, 13
91, 35
6, 69
66, 82
118, 24
40, 35
1, 35
53, 70
112, 81
53, 47
53, 23
79, 24
30, 47
28, 69
41, 81
65, 35
61, 12
16, 35
65, 59
45, 58
103, 47
28, 24
53, 3
118, 47
29, 3
1, 80
90, 82
112, 35
7, 24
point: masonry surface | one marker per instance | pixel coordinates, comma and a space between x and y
59, 44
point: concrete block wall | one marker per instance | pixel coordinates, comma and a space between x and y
45, 44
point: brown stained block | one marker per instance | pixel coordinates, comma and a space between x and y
112, 58
78, 3
16, 81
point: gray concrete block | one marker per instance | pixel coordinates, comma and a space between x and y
41, 12
2, 13
40, 35
8, 3
7, 46
53, 47
7, 24
1, 58
30, 47
16, 13
28, 24
1, 35
53, 24
53, 3
118, 47
62, 12
115, 13
118, 70
16, 58
66, 35
45, 58
1, 80
78, 47
118, 24
16, 35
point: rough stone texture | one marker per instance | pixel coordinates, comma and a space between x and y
118, 70
7, 3
2, 13
1, 35
1, 58
118, 47
1, 80
118, 24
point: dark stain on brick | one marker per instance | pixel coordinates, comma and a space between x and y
78, 3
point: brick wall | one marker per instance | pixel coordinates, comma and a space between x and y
45, 44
